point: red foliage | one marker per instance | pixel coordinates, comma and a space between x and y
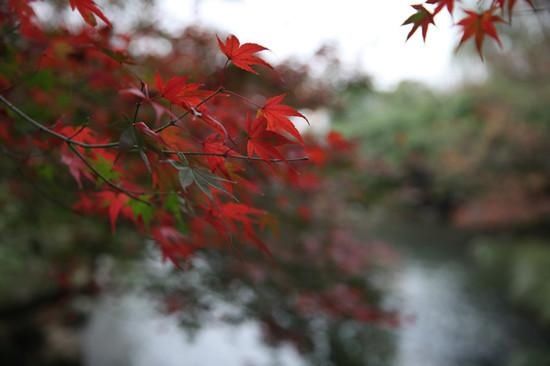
243, 56
476, 24
277, 117
191, 169
89, 10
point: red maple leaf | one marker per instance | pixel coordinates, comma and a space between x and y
22, 9
277, 117
214, 145
159, 109
113, 202
243, 56
173, 244
263, 142
178, 91
337, 142
247, 216
88, 9
211, 121
421, 19
240, 212
76, 166
150, 138
478, 25
449, 4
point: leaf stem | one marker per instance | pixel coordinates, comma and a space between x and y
54, 133
72, 143
248, 100
102, 177
234, 156
187, 112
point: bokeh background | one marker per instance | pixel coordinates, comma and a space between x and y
423, 239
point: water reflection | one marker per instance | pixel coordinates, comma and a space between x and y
448, 327
128, 330
455, 320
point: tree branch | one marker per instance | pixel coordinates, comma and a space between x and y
234, 156
72, 143
193, 110
103, 178
248, 100
56, 134
138, 104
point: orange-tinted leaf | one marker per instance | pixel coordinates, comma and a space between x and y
178, 91
243, 56
263, 143
277, 117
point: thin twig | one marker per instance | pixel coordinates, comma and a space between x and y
234, 156
138, 104
193, 110
103, 178
248, 100
531, 10
30, 181
77, 132
54, 133
72, 143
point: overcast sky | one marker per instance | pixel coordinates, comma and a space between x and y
368, 33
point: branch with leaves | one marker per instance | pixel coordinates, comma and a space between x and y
475, 24
176, 162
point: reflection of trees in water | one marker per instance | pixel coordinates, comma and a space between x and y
448, 328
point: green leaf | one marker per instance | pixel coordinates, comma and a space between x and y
46, 171
42, 79
214, 181
140, 209
105, 168
203, 179
175, 205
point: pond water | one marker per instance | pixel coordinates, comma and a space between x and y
454, 322
127, 330
449, 327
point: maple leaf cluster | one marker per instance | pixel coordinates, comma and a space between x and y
181, 157
475, 24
